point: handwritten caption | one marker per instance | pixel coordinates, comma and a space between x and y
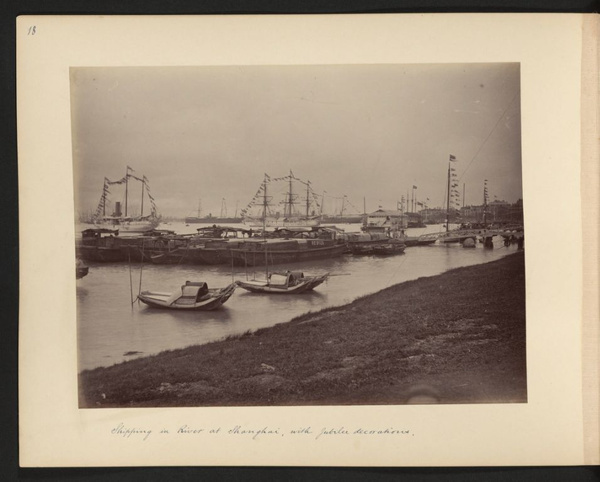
254, 433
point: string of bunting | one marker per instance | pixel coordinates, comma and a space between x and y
269, 179
123, 180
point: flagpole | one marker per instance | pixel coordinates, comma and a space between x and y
485, 204
265, 227
307, 199
448, 201
126, 188
143, 184
104, 198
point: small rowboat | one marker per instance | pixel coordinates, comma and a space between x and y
287, 282
191, 296
81, 269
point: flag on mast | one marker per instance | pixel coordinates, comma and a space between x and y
452, 158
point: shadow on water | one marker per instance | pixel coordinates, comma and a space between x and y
147, 313
284, 297
81, 293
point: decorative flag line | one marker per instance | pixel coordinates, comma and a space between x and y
269, 179
123, 180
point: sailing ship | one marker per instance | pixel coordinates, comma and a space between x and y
120, 220
210, 219
342, 217
280, 283
291, 216
298, 244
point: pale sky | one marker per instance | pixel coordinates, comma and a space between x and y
365, 131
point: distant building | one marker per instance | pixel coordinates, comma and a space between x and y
387, 219
496, 212
433, 215
415, 220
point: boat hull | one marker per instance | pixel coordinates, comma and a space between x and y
242, 257
162, 300
409, 241
389, 249
124, 226
283, 222
210, 220
307, 284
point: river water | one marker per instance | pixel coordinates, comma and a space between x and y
111, 329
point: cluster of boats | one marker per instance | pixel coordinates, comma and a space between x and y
198, 296
237, 246
292, 237
241, 247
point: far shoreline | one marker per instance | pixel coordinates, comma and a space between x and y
457, 337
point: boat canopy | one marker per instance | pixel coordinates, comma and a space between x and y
194, 290
288, 278
222, 231
93, 232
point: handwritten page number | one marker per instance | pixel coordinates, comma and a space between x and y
31, 30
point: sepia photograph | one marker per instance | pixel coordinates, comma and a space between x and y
300, 240
288, 235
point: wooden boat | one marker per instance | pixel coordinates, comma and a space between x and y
285, 251
288, 282
363, 243
99, 245
81, 269
376, 241
107, 246
423, 240
191, 296
393, 246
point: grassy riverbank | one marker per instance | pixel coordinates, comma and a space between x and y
454, 338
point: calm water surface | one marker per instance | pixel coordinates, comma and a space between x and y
110, 328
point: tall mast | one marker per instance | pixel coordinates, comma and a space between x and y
265, 226
307, 199
126, 188
485, 192
264, 214
322, 202
104, 197
199, 207
448, 201
463, 195
290, 202
143, 184
342, 210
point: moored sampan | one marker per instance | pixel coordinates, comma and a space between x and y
191, 296
288, 282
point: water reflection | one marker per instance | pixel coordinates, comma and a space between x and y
109, 325
81, 293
